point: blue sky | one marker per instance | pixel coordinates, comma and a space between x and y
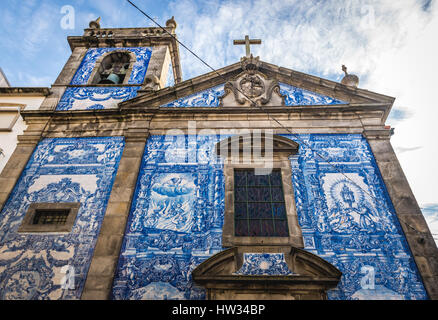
391, 45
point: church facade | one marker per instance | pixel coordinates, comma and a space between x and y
252, 182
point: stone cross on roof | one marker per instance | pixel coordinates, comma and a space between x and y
247, 42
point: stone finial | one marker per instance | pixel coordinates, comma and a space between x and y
95, 24
250, 64
349, 79
171, 23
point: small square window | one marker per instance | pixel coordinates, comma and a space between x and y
49, 217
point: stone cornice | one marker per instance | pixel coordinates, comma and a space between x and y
24, 91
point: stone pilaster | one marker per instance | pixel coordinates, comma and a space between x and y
419, 238
106, 253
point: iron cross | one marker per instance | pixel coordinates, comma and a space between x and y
247, 42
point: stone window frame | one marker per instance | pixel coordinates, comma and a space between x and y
282, 150
27, 225
99, 60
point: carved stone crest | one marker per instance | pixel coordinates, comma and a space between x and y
252, 87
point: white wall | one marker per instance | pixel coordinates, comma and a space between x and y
8, 105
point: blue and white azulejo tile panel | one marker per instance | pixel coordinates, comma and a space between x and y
264, 264
95, 98
143, 55
300, 97
60, 170
293, 97
175, 221
348, 219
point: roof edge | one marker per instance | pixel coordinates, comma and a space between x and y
24, 91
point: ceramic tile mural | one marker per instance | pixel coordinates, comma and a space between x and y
267, 264
346, 218
94, 98
206, 98
170, 81
293, 97
175, 221
143, 55
60, 170
300, 97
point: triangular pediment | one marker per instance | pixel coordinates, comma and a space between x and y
248, 82
293, 96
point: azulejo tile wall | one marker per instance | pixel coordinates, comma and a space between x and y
205, 98
300, 97
269, 264
293, 97
346, 218
84, 71
94, 98
60, 170
175, 221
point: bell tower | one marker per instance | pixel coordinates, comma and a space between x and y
117, 64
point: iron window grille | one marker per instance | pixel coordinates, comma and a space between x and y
259, 206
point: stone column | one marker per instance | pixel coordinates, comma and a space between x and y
106, 253
419, 238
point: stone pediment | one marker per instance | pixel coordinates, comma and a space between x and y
241, 273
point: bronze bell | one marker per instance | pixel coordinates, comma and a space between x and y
111, 79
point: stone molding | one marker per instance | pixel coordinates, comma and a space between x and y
311, 278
